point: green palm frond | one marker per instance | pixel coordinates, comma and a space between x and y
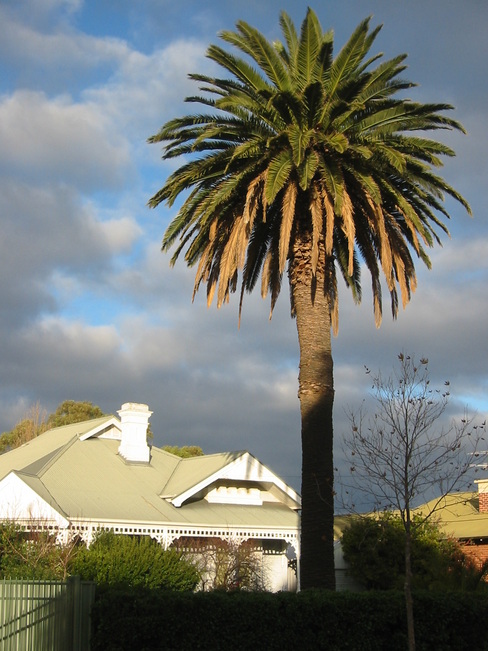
245, 73
345, 64
254, 44
297, 143
279, 171
289, 53
308, 50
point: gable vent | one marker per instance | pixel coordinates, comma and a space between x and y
235, 495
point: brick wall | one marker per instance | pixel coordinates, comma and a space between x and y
476, 551
483, 497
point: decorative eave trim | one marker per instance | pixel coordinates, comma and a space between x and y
168, 531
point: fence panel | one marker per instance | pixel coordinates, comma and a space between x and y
45, 615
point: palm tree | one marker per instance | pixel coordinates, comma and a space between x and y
307, 164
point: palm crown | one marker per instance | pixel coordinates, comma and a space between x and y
313, 145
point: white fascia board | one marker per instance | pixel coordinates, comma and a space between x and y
244, 468
19, 502
114, 422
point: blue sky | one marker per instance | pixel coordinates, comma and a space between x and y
89, 308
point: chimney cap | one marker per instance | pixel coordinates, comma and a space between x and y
135, 406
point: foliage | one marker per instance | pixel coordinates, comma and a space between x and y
306, 163
37, 422
238, 566
124, 620
305, 135
25, 430
71, 411
133, 561
110, 560
32, 554
374, 548
185, 451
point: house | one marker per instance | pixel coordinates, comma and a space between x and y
464, 516
102, 475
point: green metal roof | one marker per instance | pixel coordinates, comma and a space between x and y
193, 470
45, 445
83, 477
458, 515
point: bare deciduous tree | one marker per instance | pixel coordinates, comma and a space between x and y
33, 424
34, 551
404, 453
226, 564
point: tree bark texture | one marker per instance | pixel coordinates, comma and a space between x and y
316, 394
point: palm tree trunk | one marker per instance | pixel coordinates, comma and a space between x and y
316, 395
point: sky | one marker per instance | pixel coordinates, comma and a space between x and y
89, 306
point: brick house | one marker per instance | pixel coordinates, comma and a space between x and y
464, 516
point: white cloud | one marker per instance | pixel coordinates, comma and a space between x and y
461, 259
34, 39
147, 90
61, 140
52, 229
119, 234
52, 249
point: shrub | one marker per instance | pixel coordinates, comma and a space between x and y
32, 554
134, 561
374, 548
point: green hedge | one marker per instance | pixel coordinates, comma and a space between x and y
149, 620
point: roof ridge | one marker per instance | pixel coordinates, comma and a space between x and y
161, 491
80, 422
199, 458
236, 454
54, 456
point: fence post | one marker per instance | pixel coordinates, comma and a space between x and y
74, 588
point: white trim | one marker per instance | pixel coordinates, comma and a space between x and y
21, 503
165, 534
114, 422
235, 495
244, 468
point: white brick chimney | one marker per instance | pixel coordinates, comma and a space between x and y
134, 419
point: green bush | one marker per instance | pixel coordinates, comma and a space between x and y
145, 620
374, 548
133, 561
31, 555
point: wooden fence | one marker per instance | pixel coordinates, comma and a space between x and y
45, 615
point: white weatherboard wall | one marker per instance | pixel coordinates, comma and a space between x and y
20, 502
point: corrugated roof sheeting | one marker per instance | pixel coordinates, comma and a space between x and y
87, 479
